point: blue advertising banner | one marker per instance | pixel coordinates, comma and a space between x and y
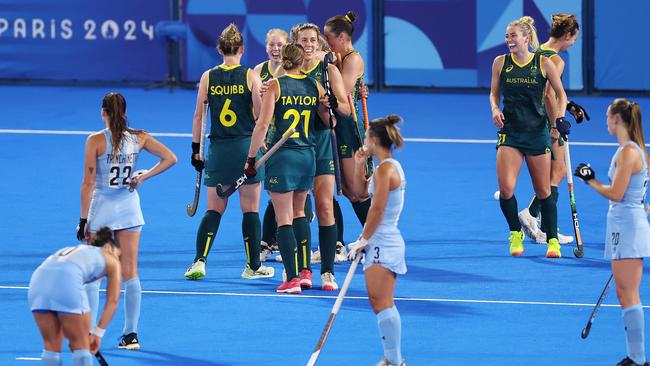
82, 40
452, 43
207, 18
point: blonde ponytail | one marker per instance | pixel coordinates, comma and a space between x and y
527, 26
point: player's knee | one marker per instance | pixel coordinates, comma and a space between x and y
543, 192
506, 192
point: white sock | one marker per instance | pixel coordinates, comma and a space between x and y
390, 330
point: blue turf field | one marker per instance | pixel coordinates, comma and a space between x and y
464, 301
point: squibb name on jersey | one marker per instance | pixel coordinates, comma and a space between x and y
226, 89
121, 158
298, 100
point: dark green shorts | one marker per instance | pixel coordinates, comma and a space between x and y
349, 137
290, 170
529, 143
324, 160
225, 161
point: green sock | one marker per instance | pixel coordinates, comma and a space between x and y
533, 208
361, 209
250, 228
303, 240
205, 235
309, 212
287, 244
509, 209
554, 195
338, 219
327, 244
270, 227
549, 217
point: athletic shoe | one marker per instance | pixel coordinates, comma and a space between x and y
315, 257
341, 253
265, 251
553, 250
290, 287
196, 270
305, 278
516, 243
385, 362
328, 282
262, 272
528, 223
628, 362
129, 341
562, 239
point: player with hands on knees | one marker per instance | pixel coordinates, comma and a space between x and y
627, 235
59, 302
381, 238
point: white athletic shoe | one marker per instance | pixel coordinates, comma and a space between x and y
328, 282
196, 270
562, 239
265, 251
341, 253
385, 362
528, 224
262, 272
315, 257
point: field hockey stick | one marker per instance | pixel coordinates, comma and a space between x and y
579, 251
364, 106
101, 359
335, 148
369, 166
241, 180
587, 328
335, 310
191, 208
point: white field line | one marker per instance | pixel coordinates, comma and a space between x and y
421, 299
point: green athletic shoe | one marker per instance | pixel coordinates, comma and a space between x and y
262, 272
516, 243
196, 270
553, 250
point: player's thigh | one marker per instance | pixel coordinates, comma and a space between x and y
299, 198
509, 162
75, 329
216, 203
50, 328
323, 198
283, 207
558, 166
249, 197
539, 167
627, 274
380, 283
129, 242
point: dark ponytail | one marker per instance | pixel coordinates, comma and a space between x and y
386, 130
115, 106
342, 23
102, 236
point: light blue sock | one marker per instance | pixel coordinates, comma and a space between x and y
82, 357
92, 291
50, 358
132, 298
390, 330
633, 320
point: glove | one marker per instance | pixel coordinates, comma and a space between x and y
357, 247
563, 127
81, 229
577, 111
197, 163
249, 168
328, 59
331, 98
584, 172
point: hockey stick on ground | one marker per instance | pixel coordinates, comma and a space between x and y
587, 328
241, 180
101, 359
579, 251
335, 309
191, 208
335, 148
369, 165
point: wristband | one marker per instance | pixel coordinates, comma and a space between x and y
99, 332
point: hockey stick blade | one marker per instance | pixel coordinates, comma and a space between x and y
101, 359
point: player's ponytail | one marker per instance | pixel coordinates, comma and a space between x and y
630, 113
292, 56
527, 26
103, 236
386, 130
563, 24
342, 23
230, 40
114, 105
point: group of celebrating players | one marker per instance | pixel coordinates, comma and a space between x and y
298, 112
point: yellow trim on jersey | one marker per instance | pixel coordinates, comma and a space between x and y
532, 56
296, 76
547, 48
228, 68
279, 89
268, 67
312, 69
207, 87
541, 67
248, 83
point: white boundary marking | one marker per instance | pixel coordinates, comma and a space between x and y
175, 134
28, 359
422, 299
